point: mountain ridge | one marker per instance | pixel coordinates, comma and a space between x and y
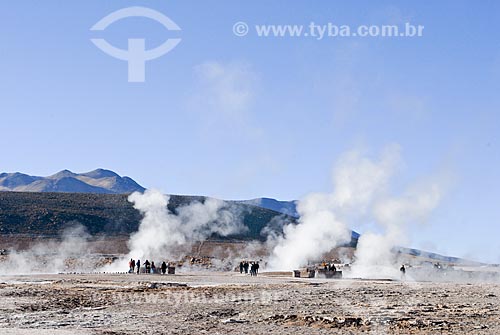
33, 210
45, 214
99, 181
285, 207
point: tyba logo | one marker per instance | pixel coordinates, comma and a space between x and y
136, 55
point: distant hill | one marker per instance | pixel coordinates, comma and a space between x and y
44, 206
48, 214
99, 181
433, 257
34, 214
285, 207
288, 208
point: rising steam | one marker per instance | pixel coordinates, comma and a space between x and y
165, 235
394, 215
318, 231
52, 257
360, 194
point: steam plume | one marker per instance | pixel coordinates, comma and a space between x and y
322, 225
393, 215
51, 257
164, 234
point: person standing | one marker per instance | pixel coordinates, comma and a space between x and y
138, 264
163, 268
241, 267
245, 266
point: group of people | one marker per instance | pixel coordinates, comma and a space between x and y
253, 266
329, 267
149, 267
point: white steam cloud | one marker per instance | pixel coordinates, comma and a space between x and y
68, 254
317, 232
360, 194
358, 180
166, 235
393, 215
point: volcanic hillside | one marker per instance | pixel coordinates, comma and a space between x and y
48, 214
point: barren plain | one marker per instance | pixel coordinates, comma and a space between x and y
213, 303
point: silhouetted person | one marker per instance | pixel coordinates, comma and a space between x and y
241, 267
403, 271
254, 269
245, 266
153, 267
163, 267
147, 265
138, 264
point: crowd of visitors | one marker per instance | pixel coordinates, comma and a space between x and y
148, 267
253, 266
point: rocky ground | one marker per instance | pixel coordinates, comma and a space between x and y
230, 303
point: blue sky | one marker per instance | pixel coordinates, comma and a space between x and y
243, 117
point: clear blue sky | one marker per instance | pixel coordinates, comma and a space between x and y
242, 117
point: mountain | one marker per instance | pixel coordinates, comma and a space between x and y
98, 200
47, 214
288, 208
285, 207
34, 214
13, 180
98, 181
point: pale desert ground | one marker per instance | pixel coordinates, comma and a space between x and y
230, 303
